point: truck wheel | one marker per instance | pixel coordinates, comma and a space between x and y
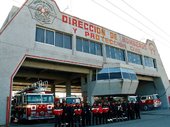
145, 108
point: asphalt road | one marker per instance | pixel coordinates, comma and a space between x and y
152, 119
156, 118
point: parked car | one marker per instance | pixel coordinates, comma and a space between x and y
149, 102
132, 99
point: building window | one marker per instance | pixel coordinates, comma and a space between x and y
63, 40
40, 34
115, 53
79, 45
92, 48
116, 73
149, 62
67, 41
58, 39
49, 37
126, 75
108, 51
119, 54
134, 58
87, 46
99, 49
53, 37
103, 74
112, 52
133, 76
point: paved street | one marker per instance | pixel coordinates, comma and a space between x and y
149, 119
155, 118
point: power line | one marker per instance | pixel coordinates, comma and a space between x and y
120, 17
146, 18
135, 19
130, 22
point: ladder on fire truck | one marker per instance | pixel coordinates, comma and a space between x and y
39, 86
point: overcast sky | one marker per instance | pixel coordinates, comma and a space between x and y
152, 23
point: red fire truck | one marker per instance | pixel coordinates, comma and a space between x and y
33, 103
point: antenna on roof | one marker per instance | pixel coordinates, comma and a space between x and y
66, 8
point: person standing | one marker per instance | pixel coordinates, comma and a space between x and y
70, 112
64, 117
100, 113
137, 110
58, 111
105, 112
131, 110
95, 110
125, 109
78, 115
88, 114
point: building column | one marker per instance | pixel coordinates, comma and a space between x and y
53, 88
84, 89
104, 53
5, 101
73, 44
68, 88
89, 88
143, 61
126, 57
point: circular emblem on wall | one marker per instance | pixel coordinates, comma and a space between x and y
42, 11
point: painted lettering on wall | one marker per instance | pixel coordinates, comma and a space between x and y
135, 45
104, 35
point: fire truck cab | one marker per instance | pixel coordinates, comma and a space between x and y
33, 103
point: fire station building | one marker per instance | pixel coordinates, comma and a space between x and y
39, 42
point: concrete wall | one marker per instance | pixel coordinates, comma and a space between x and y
146, 89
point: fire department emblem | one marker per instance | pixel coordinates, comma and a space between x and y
42, 11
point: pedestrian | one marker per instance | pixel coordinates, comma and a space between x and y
137, 110
125, 109
58, 111
113, 112
70, 113
64, 117
100, 113
131, 110
87, 110
78, 115
105, 112
95, 114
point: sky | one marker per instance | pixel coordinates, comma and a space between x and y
138, 19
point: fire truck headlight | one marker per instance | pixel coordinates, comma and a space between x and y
49, 107
33, 107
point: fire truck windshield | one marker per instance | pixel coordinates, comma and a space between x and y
33, 98
47, 99
40, 99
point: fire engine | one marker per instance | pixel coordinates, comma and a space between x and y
33, 103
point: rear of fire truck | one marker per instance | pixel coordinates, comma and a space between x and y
33, 103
